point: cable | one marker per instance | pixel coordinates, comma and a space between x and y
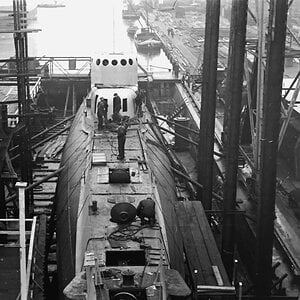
127, 232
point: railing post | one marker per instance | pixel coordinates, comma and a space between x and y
21, 186
240, 291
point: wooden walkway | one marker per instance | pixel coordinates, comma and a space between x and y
202, 255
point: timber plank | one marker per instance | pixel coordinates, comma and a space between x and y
189, 245
200, 245
210, 243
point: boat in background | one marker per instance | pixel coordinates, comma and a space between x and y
147, 40
132, 29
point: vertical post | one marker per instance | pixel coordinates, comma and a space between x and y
259, 86
208, 103
89, 264
2, 207
21, 186
20, 40
4, 119
240, 291
4, 129
233, 99
267, 182
67, 101
74, 100
2, 200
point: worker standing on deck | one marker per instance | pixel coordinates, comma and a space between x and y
138, 104
176, 69
105, 111
122, 129
116, 107
101, 112
172, 32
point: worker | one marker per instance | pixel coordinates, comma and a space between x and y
146, 211
101, 112
116, 107
172, 32
122, 129
105, 111
176, 69
138, 104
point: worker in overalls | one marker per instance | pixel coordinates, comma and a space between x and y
122, 129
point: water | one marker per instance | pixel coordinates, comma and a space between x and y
83, 28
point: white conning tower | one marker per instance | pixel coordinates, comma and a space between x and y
116, 69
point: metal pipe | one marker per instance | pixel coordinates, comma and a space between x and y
52, 127
188, 140
30, 187
53, 174
50, 137
173, 123
44, 131
199, 185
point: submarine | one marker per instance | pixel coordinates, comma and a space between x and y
116, 230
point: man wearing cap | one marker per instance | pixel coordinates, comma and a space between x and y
116, 107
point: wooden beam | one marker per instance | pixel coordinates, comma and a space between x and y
267, 181
208, 103
234, 86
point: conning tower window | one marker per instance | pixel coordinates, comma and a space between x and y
105, 62
125, 106
114, 62
98, 61
130, 61
123, 62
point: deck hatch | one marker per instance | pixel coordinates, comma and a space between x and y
119, 175
125, 258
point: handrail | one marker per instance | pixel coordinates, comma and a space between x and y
14, 220
83, 64
35, 88
29, 257
30, 253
